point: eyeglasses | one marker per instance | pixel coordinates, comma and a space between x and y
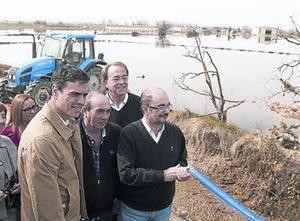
28, 109
161, 106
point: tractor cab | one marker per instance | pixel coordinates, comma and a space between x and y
69, 48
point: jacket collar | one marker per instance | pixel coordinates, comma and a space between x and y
65, 131
105, 131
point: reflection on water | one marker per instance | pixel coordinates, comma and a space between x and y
162, 42
246, 76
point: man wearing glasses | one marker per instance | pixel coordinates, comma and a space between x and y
50, 153
151, 157
125, 105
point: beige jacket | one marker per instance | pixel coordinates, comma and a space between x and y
50, 169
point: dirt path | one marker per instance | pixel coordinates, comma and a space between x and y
193, 202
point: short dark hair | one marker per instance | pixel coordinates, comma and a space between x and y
117, 63
68, 73
3, 108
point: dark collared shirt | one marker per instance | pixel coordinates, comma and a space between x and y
95, 149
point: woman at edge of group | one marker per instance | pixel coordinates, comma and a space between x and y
22, 109
9, 188
3, 112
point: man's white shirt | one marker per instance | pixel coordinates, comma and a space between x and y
151, 132
121, 105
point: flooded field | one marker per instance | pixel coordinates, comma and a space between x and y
249, 76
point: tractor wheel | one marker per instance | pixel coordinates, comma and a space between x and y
95, 82
40, 90
4, 95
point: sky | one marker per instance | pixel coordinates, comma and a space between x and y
234, 13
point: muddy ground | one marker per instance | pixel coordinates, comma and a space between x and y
288, 111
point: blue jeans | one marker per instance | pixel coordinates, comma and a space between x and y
129, 214
104, 217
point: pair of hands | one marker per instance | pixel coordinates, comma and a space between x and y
15, 191
177, 173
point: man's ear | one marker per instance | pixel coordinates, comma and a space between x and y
54, 91
84, 114
144, 109
105, 83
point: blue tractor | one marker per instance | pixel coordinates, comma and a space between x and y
33, 76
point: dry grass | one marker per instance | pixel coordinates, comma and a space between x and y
251, 167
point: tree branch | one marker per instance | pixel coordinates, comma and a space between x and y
218, 101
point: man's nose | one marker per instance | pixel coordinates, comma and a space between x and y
106, 114
81, 99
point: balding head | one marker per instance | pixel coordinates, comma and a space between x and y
150, 93
153, 97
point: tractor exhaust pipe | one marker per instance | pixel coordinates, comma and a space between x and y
34, 53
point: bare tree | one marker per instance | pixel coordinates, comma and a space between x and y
289, 75
212, 80
294, 37
290, 71
163, 28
